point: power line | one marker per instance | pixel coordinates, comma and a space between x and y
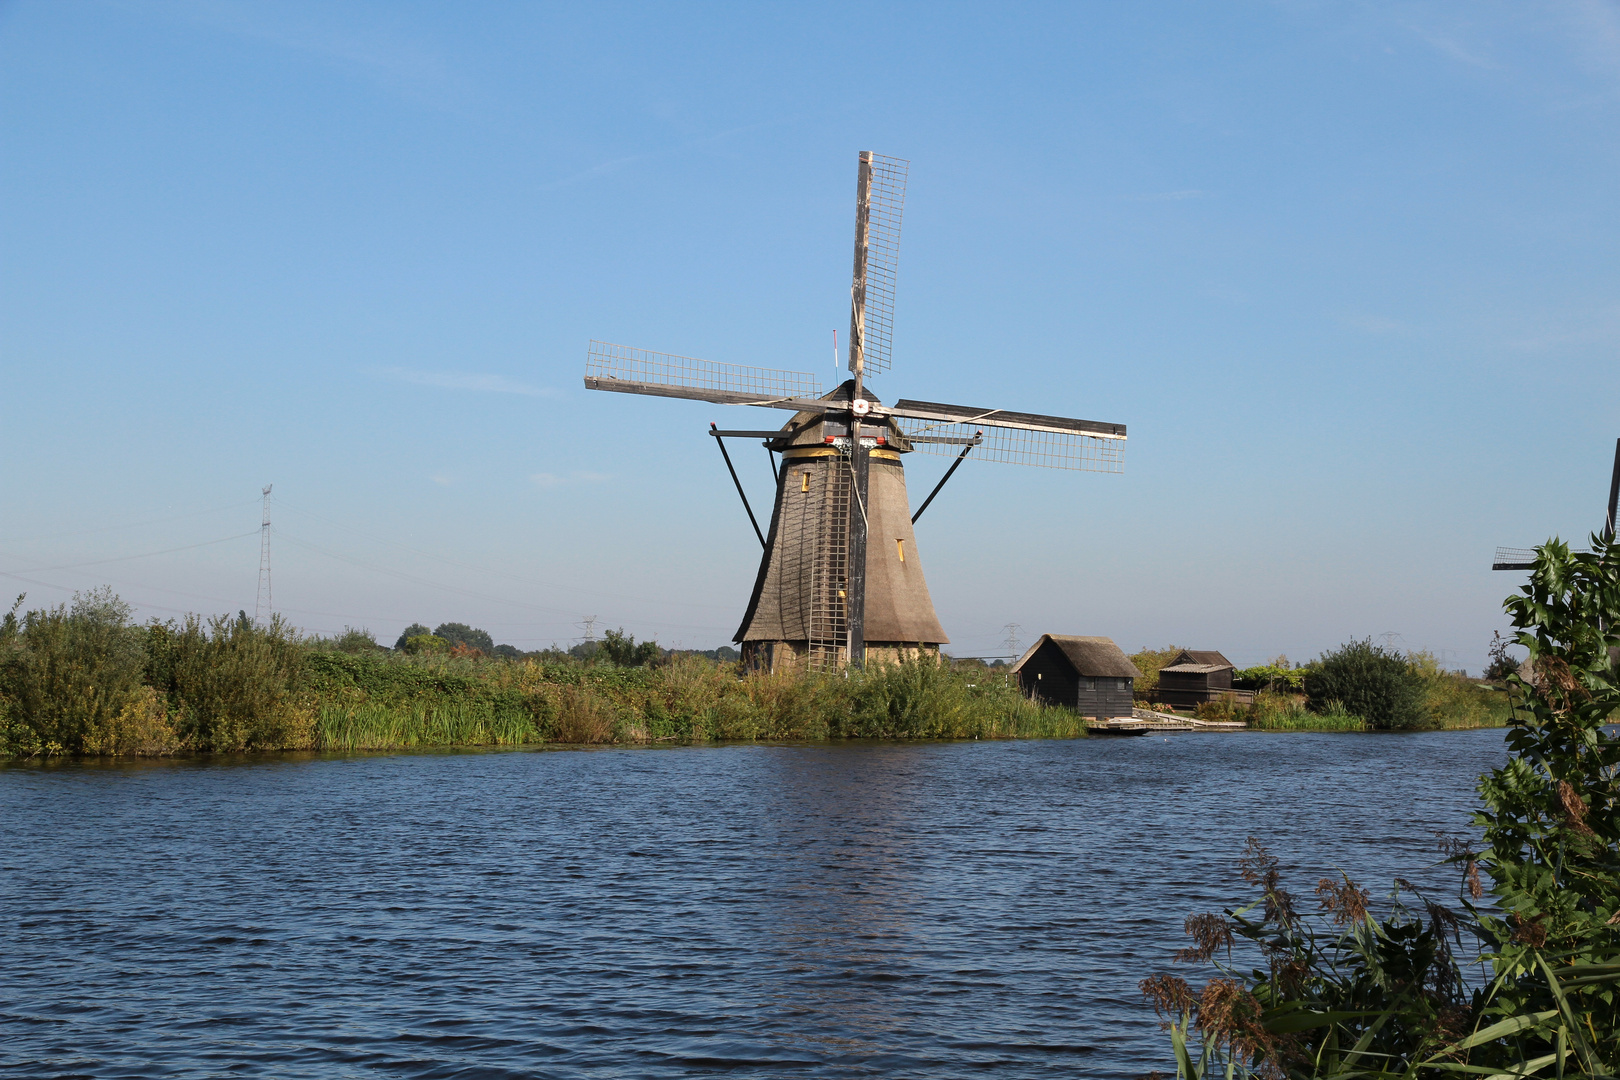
142, 555
125, 525
536, 582
421, 581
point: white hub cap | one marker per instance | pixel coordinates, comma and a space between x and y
860, 406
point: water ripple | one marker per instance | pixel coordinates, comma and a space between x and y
851, 910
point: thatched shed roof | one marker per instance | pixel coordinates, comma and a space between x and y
1091, 657
1198, 660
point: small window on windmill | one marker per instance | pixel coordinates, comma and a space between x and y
900, 546
804, 481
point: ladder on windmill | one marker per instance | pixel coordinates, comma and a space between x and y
828, 602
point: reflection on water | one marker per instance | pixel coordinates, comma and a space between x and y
845, 910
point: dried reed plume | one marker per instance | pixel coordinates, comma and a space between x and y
1346, 902
1210, 933
1259, 867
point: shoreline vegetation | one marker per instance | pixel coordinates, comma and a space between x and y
1357, 687
1518, 975
84, 679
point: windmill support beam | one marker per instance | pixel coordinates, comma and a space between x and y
740, 494
948, 472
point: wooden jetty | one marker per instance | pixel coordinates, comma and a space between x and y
1143, 721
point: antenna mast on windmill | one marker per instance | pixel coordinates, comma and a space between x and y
840, 580
1525, 558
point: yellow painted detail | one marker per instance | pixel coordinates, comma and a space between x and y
804, 481
884, 455
900, 546
809, 452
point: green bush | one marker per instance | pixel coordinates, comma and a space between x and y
1453, 700
68, 674
1269, 677
350, 641
413, 630
1148, 662
467, 637
425, 643
1378, 685
233, 684
621, 648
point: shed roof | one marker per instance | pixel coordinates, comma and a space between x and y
1202, 657
1195, 669
1091, 657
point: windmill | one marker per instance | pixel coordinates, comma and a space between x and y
1525, 558
840, 581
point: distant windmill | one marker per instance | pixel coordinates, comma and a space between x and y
840, 578
1525, 558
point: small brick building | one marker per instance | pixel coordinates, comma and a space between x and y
1088, 674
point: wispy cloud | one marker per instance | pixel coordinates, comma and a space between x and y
1449, 45
358, 45
546, 480
1554, 330
1594, 34
615, 164
466, 380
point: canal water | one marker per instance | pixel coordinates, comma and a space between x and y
879, 909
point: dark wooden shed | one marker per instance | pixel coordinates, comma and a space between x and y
1195, 676
1088, 674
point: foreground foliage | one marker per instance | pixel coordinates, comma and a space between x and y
1521, 977
82, 679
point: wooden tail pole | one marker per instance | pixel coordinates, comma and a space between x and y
713, 430
1614, 494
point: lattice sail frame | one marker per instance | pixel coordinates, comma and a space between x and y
1017, 446
626, 364
886, 204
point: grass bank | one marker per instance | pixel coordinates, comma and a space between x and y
1450, 702
86, 680
383, 701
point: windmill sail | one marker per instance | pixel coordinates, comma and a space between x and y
1514, 559
887, 204
638, 371
1056, 442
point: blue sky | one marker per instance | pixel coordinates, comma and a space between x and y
1347, 271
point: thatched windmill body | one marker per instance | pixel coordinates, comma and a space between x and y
840, 580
